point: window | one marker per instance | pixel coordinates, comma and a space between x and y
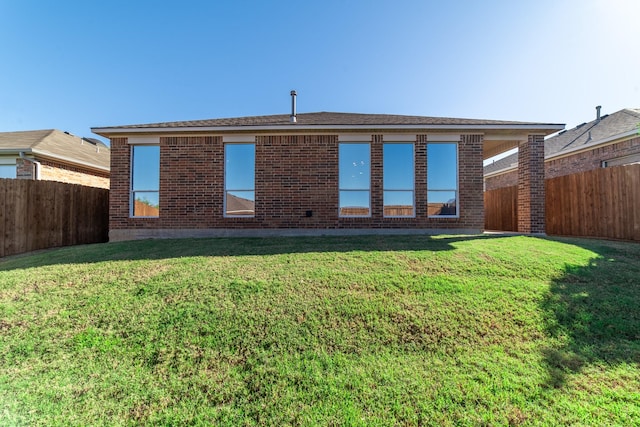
354, 181
442, 179
398, 179
145, 180
239, 180
7, 170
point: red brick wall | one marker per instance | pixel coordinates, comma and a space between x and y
294, 174
580, 162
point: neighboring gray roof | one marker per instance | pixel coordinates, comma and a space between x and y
58, 145
319, 119
582, 136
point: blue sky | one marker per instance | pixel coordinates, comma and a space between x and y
74, 65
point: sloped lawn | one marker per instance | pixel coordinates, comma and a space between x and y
452, 330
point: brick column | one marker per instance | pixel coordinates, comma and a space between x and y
531, 199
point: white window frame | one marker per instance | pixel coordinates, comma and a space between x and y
413, 188
348, 141
456, 190
226, 190
132, 191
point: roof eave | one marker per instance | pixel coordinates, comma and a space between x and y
538, 128
71, 161
48, 156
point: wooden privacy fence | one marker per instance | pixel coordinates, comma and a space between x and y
501, 209
598, 203
44, 214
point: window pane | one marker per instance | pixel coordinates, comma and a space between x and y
145, 203
146, 168
239, 179
441, 203
240, 163
7, 171
398, 166
354, 203
145, 180
442, 167
240, 203
354, 166
398, 203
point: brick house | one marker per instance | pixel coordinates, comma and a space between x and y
313, 173
53, 155
609, 140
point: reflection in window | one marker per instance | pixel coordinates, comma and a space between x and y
398, 181
8, 171
442, 179
355, 182
145, 180
239, 180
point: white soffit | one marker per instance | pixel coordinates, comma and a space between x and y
144, 140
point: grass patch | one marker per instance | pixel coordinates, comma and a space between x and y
394, 330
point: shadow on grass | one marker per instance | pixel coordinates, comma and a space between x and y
175, 248
594, 312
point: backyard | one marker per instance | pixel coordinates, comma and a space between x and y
393, 330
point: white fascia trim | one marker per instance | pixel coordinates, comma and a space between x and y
130, 131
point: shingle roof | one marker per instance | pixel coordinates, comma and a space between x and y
58, 145
582, 136
320, 119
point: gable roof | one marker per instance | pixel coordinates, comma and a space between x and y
321, 120
584, 136
57, 145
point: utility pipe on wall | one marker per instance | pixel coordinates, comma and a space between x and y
35, 162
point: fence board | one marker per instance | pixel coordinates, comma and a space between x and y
501, 209
598, 203
44, 214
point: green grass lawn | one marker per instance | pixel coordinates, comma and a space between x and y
450, 330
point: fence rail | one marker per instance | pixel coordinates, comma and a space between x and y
44, 214
598, 203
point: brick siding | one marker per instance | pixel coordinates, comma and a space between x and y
293, 174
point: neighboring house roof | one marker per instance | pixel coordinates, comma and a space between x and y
57, 145
585, 136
